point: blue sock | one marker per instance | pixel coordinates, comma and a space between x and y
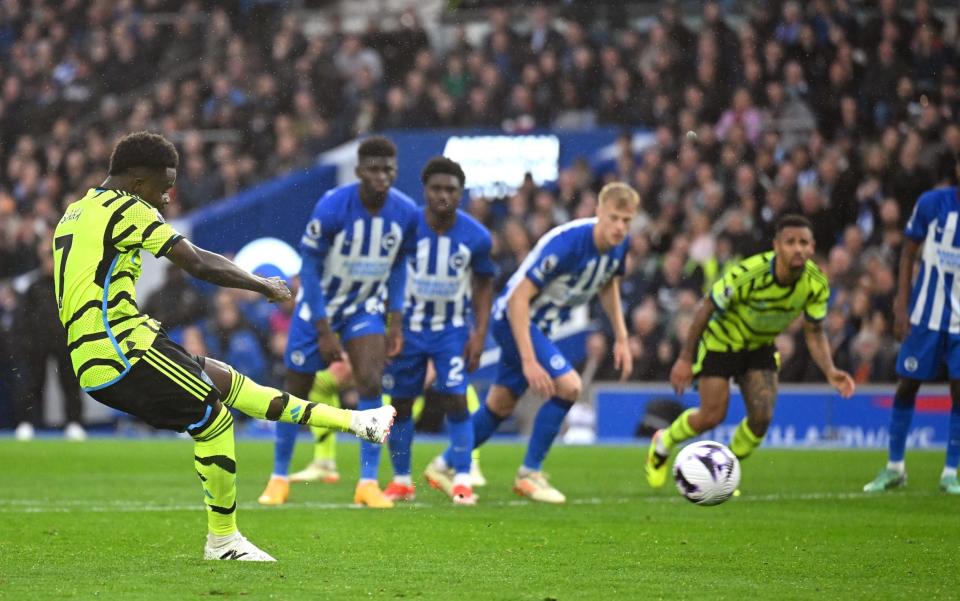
545, 428
485, 423
284, 441
369, 452
953, 442
400, 441
900, 416
461, 442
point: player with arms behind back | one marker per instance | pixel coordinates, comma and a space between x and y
451, 270
570, 265
929, 327
353, 250
732, 336
126, 361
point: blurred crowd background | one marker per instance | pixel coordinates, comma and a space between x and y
842, 111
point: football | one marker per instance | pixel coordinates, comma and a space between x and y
706, 472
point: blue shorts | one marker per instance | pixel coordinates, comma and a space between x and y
925, 353
404, 375
510, 368
303, 351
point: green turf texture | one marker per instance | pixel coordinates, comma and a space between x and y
116, 519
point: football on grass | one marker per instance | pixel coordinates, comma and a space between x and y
706, 472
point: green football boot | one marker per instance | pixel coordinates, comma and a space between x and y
656, 467
887, 479
950, 485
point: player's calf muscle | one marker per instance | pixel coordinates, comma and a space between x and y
759, 389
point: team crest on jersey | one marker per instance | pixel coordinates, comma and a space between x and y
313, 229
297, 358
911, 364
557, 361
390, 241
387, 382
459, 260
549, 263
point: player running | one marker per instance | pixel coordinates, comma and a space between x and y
732, 337
451, 270
569, 266
125, 360
929, 327
353, 251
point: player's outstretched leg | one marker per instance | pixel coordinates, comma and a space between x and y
894, 474
323, 467
948, 479
216, 465
401, 488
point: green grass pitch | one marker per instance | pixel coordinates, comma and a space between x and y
122, 519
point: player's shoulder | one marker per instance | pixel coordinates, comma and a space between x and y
402, 201
815, 275
576, 229
937, 196
470, 226
751, 267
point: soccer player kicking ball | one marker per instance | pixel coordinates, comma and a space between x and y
732, 337
929, 327
569, 266
353, 251
452, 268
126, 361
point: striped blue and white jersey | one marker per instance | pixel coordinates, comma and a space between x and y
568, 270
440, 273
354, 261
935, 300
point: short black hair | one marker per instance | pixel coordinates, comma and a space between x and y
444, 166
377, 146
143, 149
793, 220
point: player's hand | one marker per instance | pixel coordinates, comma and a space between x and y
681, 376
901, 321
276, 290
843, 382
538, 378
394, 339
473, 351
623, 358
331, 350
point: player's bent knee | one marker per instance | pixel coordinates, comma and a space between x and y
569, 386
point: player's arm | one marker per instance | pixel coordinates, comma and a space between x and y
613, 307
396, 285
217, 269
681, 375
482, 301
908, 258
518, 314
819, 348
314, 246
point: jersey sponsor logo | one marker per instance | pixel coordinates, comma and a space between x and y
458, 261
549, 263
313, 229
557, 361
390, 241
911, 364
298, 358
374, 268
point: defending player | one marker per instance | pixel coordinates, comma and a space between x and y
452, 268
569, 266
732, 337
353, 263
929, 327
126, 361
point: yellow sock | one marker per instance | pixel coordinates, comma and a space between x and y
679, 430
257, 401
473, 403
325, 391
215, 461
744, 440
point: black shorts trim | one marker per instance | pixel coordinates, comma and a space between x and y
737, 363
166, 388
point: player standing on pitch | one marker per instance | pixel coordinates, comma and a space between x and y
125, 360
354, 263
570, 265
732, 336
929, 327
450, 271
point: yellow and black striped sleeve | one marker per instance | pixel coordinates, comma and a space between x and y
728, 289
816, 307
143, 227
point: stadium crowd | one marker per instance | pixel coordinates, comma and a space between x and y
841, 112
